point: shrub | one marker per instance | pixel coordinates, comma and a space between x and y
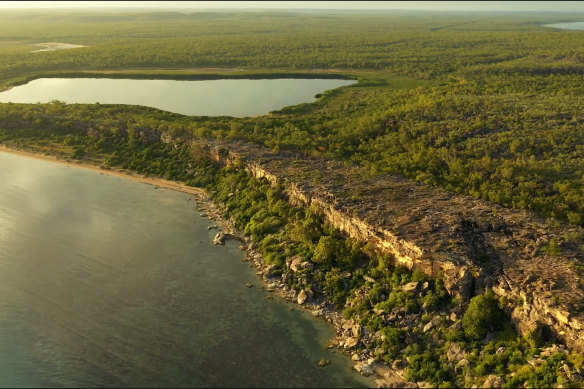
483, 315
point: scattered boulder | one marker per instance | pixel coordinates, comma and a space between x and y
428, 326
351, 342
364, 369
295, 264
493, 381
455, 353
461, 365
369, 279
410, 286
323, 362
219, 239
304, 296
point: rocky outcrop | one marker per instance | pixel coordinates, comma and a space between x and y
477, 245
219, 238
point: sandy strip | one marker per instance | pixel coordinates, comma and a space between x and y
174, 185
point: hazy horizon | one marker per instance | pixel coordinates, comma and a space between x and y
478, 6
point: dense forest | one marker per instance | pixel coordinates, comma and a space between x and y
482, 104
486, 104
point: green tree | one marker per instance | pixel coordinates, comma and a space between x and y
483, 315
325, 250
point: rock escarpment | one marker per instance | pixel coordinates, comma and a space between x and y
532, 263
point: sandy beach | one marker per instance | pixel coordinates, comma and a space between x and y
174, 185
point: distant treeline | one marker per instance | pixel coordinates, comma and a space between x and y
416, 44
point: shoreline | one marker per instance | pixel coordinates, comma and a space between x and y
159, 182
381, 375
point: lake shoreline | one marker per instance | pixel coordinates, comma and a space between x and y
189, 74
380, 374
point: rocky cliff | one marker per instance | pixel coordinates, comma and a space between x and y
532, 263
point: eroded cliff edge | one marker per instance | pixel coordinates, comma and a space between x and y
533, 263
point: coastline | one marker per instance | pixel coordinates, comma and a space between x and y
380, 374
162, 183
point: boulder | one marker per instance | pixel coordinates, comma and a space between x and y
304, 296
455, 353
364, 369
295, 264
351, 342
493, 381
461, 365
219, 238
410, 286
428, 326
369, 279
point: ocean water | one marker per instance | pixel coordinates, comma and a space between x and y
106, 282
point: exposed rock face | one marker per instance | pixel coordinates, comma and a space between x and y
477, 245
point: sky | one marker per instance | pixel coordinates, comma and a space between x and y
540, 6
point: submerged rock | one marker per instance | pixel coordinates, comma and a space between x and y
219, 239
364, 369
